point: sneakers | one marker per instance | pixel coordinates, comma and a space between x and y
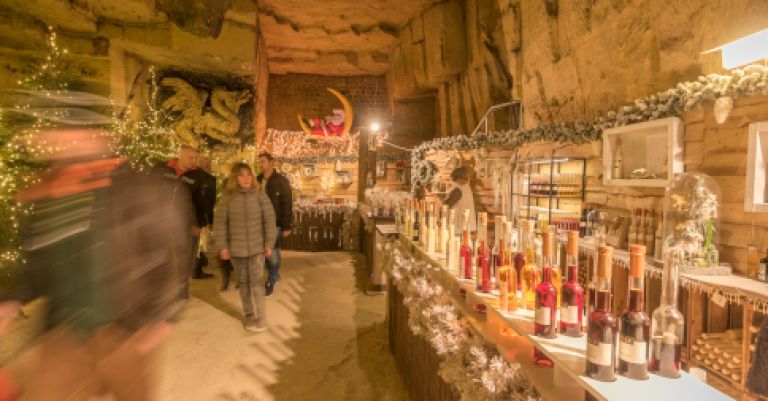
268, 288
252, 325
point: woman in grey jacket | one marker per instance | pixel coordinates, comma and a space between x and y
244, 232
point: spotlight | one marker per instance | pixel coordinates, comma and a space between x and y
375, 127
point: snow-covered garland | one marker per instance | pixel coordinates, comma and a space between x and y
741, 82
473, 366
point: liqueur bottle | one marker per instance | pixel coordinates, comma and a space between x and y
658, 246
424, 224
650, 237
482, 253
546, 303
442, 239
520, 256
483, 268
465, 252
601, 335
550, 260
416, 230
634, 326
667, 323
453, 245
618, 162
407, 223
530, 274
431, 230
572, 304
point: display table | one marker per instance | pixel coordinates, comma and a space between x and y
566, 380
322, 228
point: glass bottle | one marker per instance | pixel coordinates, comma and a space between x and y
618, 162
442, 239
634, 325
601, 336
572, 304
549, 259
453, 245
667, 324
545, 324
530, 274
658, 246
483, 268
465, 252
521, 250
431, 230
416, 228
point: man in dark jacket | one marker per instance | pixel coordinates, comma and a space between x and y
203, 188
278, 189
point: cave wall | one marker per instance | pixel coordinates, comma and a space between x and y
111, 45
563, 59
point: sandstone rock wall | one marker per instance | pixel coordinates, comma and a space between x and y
564, 59
111, 44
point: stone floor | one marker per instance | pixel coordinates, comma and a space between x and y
326, 340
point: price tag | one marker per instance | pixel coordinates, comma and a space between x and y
718, 299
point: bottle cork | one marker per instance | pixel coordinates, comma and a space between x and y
573, 243
548, 240
636, 260
604, 260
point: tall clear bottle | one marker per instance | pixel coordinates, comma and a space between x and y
601, 335
634, 325
531, 272
442, 239
431, 230
572, 304
667, 323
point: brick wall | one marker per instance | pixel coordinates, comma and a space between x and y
305, 94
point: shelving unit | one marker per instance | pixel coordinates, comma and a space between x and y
551, 170
566, 380
655, 145
756, 195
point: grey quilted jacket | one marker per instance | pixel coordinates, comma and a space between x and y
244, 220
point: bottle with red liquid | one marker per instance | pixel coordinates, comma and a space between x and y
634, 325
483, 274
601, 335
572, 303
465, 252
546, 302
667, 324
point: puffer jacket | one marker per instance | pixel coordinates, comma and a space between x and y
244, 221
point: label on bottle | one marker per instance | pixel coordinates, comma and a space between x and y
543, 316
632, 351
569, 314
600, 353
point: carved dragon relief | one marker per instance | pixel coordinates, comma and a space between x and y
221, 122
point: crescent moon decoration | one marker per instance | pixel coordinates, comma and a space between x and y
348, 118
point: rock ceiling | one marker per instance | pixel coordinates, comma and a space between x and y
334, 37
339, 37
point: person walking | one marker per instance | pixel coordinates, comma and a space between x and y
203, 191
244, 233
278, 189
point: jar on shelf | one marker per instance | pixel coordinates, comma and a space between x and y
691, 217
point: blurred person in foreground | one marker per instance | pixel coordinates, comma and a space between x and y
279, 191
101, 245
244, 233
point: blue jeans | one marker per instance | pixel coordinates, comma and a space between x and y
273, 263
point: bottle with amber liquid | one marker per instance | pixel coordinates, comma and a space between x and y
525, 226
667, 324
572, 303
431, 229
634, 326
416, 228
549, 255
601, 335
465, 252
483, 268
545, 324
530, 274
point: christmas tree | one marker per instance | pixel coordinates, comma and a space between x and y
20, 155
147, 141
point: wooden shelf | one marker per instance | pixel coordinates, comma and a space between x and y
567, 353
